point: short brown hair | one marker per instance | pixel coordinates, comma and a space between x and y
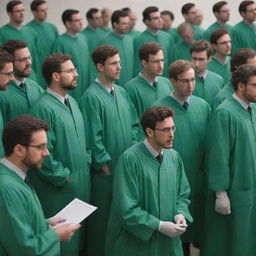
186, 8
216, 7
149, 48
217, 34
153, 115
178, 67
201, 46
11, 46
243, 6
11, 4
102, 53
5, 57
185, 26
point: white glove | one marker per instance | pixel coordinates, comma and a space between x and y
222, 203
180, 219
170, 229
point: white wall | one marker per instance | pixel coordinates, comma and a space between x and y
56, 7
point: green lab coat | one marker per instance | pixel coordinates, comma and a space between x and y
181, 51
133, 33
213, 27
78, 48
144, 193
67, 160
221, 69
24, 230
208, 88
223, 94
231, 166
111, 127
189, 142
16, 101
1, 130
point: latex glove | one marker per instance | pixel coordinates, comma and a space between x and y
180, 219
222, 203
170, 229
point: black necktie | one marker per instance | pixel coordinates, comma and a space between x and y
28, 182
112, 92
67, 103
249, 109
185, 105
155, 84
159, 158
22, 85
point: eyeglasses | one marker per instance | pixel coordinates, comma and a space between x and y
41, 147
72, 70
224, 42
156, 61
186, 81
25, 59
167, 129
10, 74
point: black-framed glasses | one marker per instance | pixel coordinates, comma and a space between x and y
41, 146
167, 129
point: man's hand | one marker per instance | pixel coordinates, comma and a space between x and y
55, 221
171, 229
222, 203
105, 169
66, 231
180, 219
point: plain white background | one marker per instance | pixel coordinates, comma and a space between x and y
56, 7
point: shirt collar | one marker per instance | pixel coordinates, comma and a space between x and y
151, 83
150, 148
180, 101
18, 82
240, 101
204, 75
56, 95
74, 36
106, 88
13, 167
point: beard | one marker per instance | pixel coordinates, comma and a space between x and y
31, 164
22, 73
68, 86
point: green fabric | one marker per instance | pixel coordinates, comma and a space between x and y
111, 127
243, 36
144, 193
25, 33
24, 230
126, 53
223, 94
231, 165
133, 33
208, 88
46, 33
1, 130
16, 101
67, 147
189, 142
77, 47
162, 38
213, 27
221, 69
106, 30
181, 51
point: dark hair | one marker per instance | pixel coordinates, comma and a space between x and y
90, 13
216, 7
218, 33
11, 4
200, 46
243, 74
149, 48
169, 13
67, 15
11, 46
153, 115
20, 131
178, 67
52, 64
117, 15
240, 57
101, 53
5, 57
186, 8
126, 9
243, 6
34, 4
147, 11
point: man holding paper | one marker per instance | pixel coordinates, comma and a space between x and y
24, 230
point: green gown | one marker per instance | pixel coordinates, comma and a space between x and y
208, 88
24, 230
231, 165
144, 193
46, 33
67, 147
133, 33
164, 39
213, 27
77, 47
112, 126
126, 53
223, 94
243, 36
16, 101
25, 33
189, 142
1, 130
181, 51
221, 69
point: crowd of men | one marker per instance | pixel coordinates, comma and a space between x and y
157, 129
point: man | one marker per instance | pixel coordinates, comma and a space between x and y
15, 30
75, 44
192, 117
244, 33
93, 31
222, 12
221, 44
124, 43
150, 197
149, 85
153, 33
106, 16
64, 174
132, 22
199, 17
240, 57
22, 92
208, 83
6, 76
111, 127
231, 164
167, 18
25, 231
45, 31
